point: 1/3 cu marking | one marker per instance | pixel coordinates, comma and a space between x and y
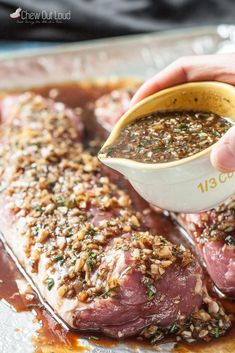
212, 183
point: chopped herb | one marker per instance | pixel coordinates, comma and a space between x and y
38, 144
136, 237
106, 294
229, 240
182, 126
215, 133
58, 257
124, 247
35, 230
151, 290
69, 234
91, 259
216, 332
174, 328
60, 200
146, 142
109, 150
163, 240
91, 232
50, 283
94, 338
38, 208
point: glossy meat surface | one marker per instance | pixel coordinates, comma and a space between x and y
214, 235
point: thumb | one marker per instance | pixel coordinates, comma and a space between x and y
223, 153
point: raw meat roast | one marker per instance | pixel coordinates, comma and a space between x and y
89, 252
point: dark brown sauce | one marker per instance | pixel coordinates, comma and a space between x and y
8, 276
52, 337
224, 344
51, 333
167, 136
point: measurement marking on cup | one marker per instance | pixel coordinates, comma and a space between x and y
212, 183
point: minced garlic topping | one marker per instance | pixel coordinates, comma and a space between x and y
216, 224
72, 209
76, 216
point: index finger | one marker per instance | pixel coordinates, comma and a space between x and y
192, 68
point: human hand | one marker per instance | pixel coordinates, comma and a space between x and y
199, 68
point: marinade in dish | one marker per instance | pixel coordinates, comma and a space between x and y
168, 136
